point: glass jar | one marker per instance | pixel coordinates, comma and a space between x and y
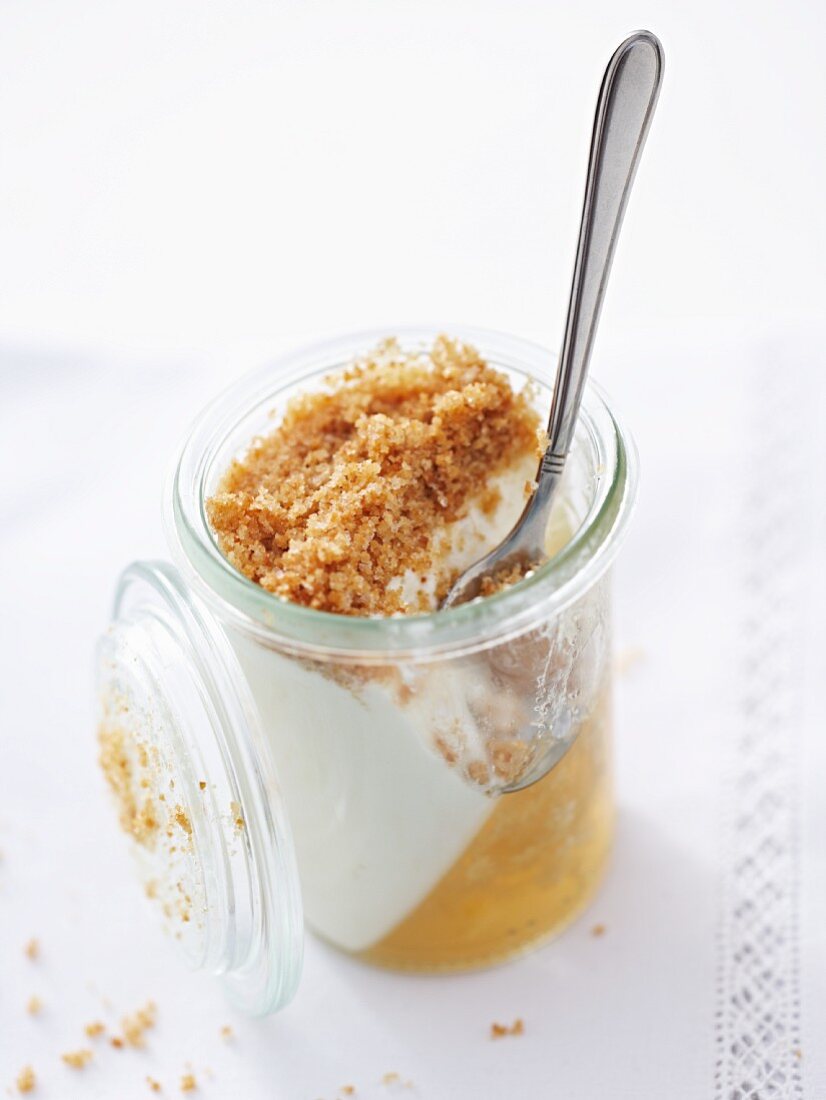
432, 792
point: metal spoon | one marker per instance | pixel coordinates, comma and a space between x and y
625, 107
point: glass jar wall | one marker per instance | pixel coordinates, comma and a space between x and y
446, 777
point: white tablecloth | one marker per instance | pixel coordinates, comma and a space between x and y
710, 978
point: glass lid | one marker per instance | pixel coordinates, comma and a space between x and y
182, 751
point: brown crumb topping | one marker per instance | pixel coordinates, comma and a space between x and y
499, 1031
77, 1059
26, 1080
358, 480
188, 1083
32, 949
507, 575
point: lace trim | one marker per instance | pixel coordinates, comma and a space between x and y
758, 999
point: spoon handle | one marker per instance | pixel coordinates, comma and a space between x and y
626, 103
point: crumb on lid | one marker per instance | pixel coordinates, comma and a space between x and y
135, 772
126, 766
95, 1028
32, 949
181, 819
34, 1005
188, 1083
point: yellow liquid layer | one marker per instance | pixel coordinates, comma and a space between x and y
529, 870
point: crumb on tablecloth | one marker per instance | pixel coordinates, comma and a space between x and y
136, 1024
499, 1031
32, 949
34, 1005
628, 659
188, 1083
77, 1059
26, 1080
393, 1078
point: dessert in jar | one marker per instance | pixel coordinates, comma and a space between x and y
289, 722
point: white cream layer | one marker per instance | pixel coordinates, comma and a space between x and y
377, 816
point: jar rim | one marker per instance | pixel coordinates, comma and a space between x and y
277, 621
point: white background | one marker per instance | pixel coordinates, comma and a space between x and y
218, 175
186, 189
